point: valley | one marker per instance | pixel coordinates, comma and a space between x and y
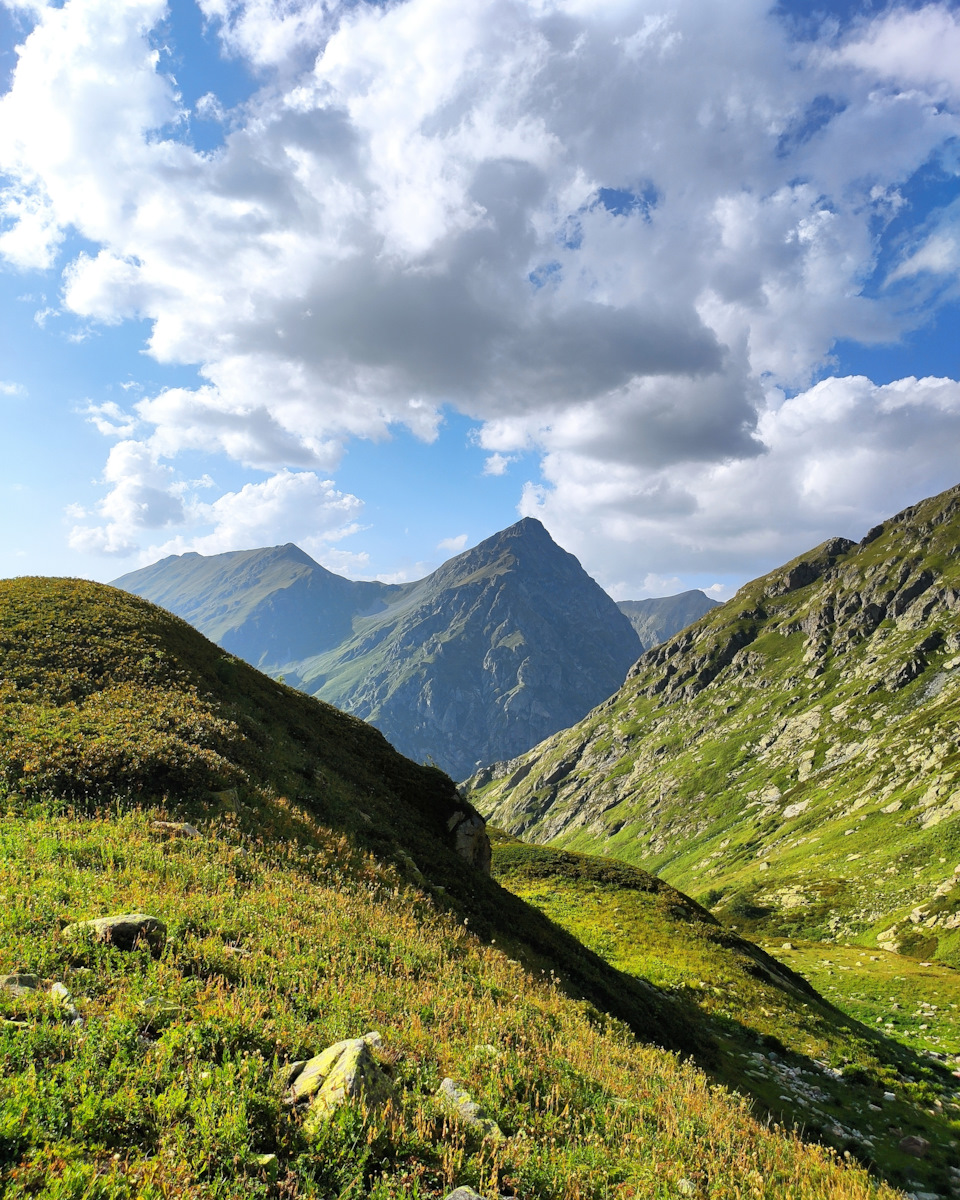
791, 759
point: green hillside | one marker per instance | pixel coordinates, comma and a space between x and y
500, 646
846, 1081
319, 893
268, 606
792, 758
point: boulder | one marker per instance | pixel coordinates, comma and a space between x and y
344, 1071
19, 984
458, 1103
463, 1193
470, 839
917, 1146
123, 931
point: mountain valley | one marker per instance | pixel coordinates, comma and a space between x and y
304, 884
792, 758
501, 646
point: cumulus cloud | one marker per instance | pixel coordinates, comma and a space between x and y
615, 237
453, 544
836, 458
294, 506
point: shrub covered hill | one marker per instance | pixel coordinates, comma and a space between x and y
499, 647
298, 885
792, 758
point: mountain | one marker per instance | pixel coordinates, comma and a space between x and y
267, 606
661, 617
302, 884
792, 758
501, 646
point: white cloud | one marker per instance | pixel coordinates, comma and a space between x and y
610, 235
496, 464
12, 389
453, 544
836, 459
295, 506
110, 419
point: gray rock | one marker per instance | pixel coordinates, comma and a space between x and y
457, 1102
19, 985
181, 828
463, 1193
470, 839
124, 931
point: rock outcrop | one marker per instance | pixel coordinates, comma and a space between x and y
124, 931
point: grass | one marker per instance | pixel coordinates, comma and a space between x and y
278, 949
774, 758
819, 1066
293, 922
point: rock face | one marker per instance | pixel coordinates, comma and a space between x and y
458, 1103
660, 618
793, 755
502, 646
122, 931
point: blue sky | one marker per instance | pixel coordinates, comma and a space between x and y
679, 279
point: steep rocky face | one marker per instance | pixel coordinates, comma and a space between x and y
267, 606
659, 618
793, 757
501, 646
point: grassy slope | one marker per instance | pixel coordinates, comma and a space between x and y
293, 923
768, 761
799, 1056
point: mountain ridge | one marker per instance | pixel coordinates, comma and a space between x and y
502, 644
792, 757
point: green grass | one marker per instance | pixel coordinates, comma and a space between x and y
764, 758
292, 923
799, 1056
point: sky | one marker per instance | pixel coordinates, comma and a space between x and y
678, 278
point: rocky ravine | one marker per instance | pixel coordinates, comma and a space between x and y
792, 758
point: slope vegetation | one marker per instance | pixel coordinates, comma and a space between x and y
320, 894
501, 646
802, 1059
792, 759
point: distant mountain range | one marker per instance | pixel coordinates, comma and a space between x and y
500, 647
792, 759
656, 620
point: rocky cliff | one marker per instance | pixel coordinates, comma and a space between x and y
660, 617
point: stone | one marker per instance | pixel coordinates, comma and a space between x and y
917, 1146
19, 984
470, 839
457, 1102
344, 1071
463, 1193
181, 828
60, 995
124, 931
